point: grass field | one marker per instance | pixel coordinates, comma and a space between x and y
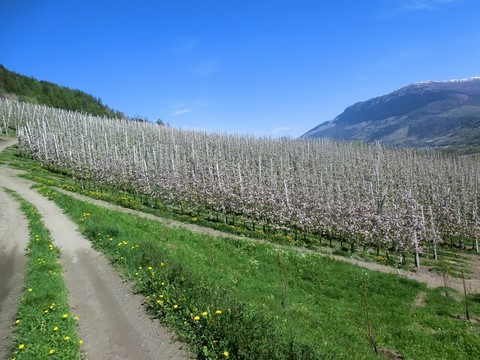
283, 303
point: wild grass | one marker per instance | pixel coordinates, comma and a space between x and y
45, 328
244, 300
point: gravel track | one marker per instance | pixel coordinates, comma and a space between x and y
13, 264
113, 322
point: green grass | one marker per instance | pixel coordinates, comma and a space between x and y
275, 304
45, 328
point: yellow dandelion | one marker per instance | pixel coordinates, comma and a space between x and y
76, 317
225, 353
196, 318
175, 306
162, 264
205, 313
21, 346
52, 351
66, 338
80, 342
55, 328
150, 268
17, 322
64, 316
30, 290
218, 312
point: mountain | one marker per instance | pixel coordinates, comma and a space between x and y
428, 114
23, 88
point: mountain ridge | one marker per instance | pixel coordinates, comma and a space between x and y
425, 114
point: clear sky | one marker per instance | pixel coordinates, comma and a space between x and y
262, 67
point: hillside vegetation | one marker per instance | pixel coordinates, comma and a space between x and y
28, 89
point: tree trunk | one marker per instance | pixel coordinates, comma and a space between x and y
417, 260
467, 312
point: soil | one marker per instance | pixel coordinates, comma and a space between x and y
113, 322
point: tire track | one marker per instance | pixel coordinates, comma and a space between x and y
13, 265
113, 322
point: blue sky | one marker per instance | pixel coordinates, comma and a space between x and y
240, 66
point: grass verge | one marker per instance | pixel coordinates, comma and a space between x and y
240, 300
45, 328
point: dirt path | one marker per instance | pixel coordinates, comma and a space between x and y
6, 141
13, 262
113, 322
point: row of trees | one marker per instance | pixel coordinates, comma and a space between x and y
403, 200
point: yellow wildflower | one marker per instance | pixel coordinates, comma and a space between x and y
55, 328
64, 316
21, 346
225, 353
218, 312
51, 352
66, 338
196, 318
205, 313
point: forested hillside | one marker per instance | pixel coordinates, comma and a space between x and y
28, 89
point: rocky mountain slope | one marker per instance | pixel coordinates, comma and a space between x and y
428, 114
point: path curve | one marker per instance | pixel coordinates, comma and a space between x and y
7, 141
113, 322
